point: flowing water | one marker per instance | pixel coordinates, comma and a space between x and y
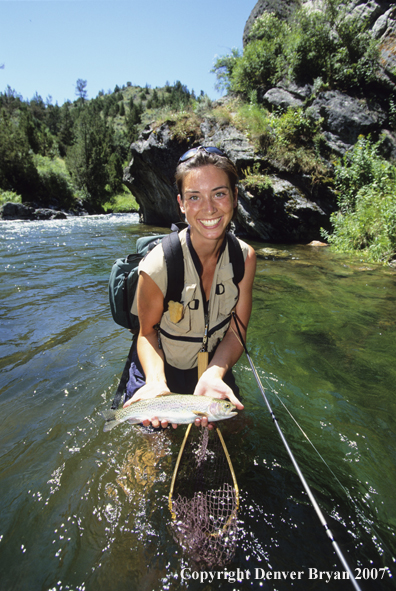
86, 510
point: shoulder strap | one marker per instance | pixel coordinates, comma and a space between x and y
175, 267
236, 257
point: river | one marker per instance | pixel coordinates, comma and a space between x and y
86, 510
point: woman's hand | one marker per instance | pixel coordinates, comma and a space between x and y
151, 390
211, 384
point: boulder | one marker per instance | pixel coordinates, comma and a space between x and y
22, 211
150, 176
346, 117
280, 98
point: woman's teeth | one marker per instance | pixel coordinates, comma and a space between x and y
210, 223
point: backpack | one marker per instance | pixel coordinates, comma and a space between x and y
124, 277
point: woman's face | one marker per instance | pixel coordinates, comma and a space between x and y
208, 201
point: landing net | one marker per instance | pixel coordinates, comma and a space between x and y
204, 499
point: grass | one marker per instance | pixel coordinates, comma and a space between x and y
122, 203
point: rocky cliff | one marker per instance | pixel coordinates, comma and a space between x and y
290, 207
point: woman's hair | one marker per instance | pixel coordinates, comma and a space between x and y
203, 158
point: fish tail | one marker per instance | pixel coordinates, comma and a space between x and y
110, 418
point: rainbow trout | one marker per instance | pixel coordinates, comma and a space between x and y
175, 408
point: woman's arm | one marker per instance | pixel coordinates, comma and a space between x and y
230, 349
150, 304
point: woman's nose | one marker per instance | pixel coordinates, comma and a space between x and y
210, 205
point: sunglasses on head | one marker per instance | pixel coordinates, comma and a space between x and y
191, 153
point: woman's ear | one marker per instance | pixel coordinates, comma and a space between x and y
180, 202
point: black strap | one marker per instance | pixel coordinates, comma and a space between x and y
175, 267
236, 257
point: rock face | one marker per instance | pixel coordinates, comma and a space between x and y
283, 212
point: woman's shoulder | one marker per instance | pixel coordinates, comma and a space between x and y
153, 264
247, 250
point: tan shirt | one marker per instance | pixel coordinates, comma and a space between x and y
182, 341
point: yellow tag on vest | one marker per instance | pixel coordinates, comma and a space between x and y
175, 311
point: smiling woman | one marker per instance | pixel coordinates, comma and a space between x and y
168, 349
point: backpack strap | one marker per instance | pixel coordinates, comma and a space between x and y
174, 266
236, 257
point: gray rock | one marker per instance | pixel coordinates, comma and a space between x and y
150, 176
282, 213
21, 211
347, 117
16, 211
280, 98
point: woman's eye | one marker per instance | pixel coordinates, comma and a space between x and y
220, 195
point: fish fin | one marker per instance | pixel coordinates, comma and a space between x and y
110, 418
200, 414
108, 415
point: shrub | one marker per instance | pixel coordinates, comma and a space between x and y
329, 44
366, 220
9, 196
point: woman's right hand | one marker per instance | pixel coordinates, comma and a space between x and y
151, 390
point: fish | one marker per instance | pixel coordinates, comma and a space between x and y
176, 408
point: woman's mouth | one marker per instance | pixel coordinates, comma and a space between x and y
210, 223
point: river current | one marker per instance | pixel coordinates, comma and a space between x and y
86, 510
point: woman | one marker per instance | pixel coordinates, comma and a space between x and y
167, 348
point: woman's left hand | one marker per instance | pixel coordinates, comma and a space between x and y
210, 384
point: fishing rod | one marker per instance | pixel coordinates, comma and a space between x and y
295, 464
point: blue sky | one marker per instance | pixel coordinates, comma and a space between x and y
47, 45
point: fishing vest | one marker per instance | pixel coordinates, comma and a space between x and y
181, 341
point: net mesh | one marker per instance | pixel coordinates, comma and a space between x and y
204, 501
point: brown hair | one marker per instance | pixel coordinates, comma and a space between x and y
203, 158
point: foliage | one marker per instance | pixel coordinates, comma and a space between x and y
253, 177
17, 170
329, 44
87, 159
56, 187
291, 138
92, 137
122, 202
9, 196
366, 220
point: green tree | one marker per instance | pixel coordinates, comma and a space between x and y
87, 159
115, 172
17, 170
81, 89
